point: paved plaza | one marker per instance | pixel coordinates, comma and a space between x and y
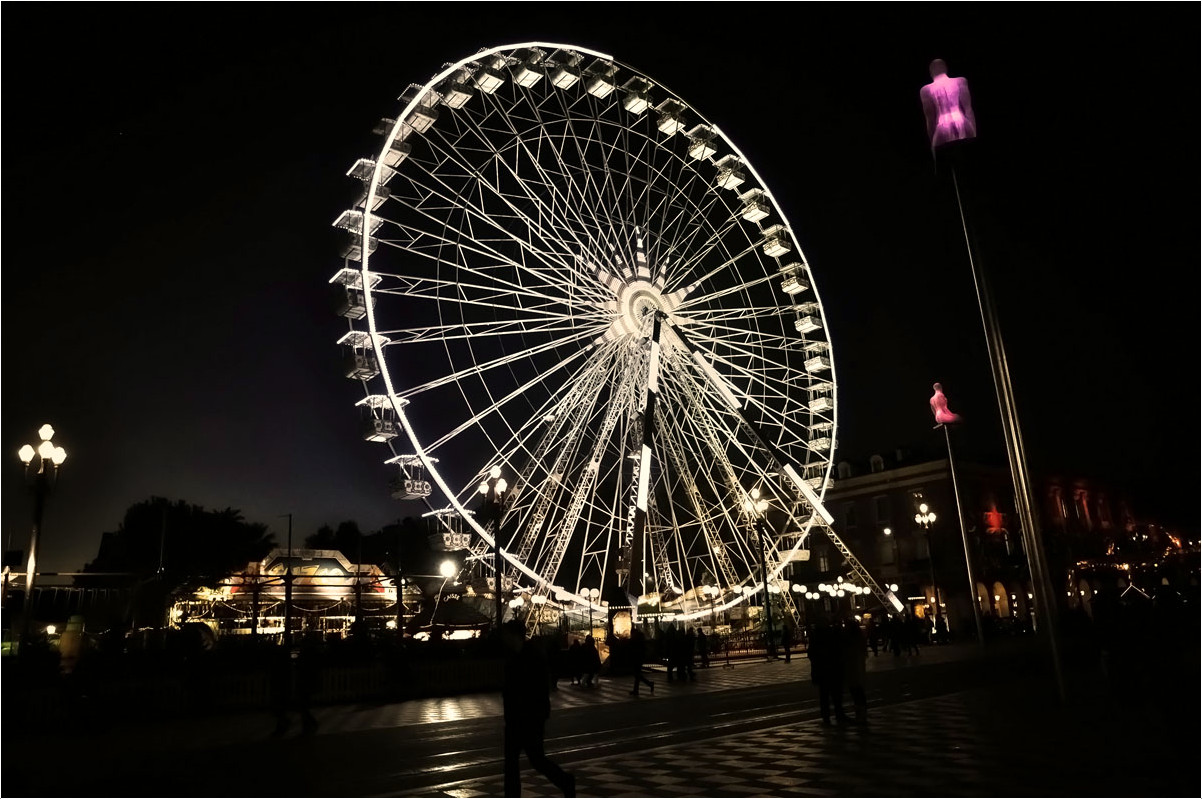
1001, 730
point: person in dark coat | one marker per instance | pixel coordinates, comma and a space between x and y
527, 703
826, 671
703, 649
576, 662
591, 661
638, 656
854, 652
688, 646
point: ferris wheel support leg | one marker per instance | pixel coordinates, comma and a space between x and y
638, 522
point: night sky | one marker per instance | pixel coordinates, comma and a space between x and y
171, 173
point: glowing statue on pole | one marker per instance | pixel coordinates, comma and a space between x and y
948, 107
939, 407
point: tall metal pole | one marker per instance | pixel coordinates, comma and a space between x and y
972, 578
934, 583
1045, 603
288, 589
770, 650
497, 560
400, 586
40, 488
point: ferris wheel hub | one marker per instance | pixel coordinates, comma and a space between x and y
637, 302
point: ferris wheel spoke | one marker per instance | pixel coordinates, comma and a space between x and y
553, 324
695, 418
569, 436
481, 369
565, 210
548, 418
493, 410
565, 235
709, 299
474, 222
492, 294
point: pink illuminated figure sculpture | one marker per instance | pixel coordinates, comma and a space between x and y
939, 407
948, 107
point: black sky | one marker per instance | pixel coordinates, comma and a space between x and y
171, 172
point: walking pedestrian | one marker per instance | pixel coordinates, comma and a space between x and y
526, 698
575, 660
896, 635
688, 647
591, 661
854, 651
295, 678
671, 647
638, 656
703, 649
912, 632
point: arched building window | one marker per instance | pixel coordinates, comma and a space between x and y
844, 470
876, 463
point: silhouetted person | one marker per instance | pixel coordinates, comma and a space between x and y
575, 660
295, 676
688, 647
896, 633
638, 656
786, 641
703, 649
527, 702
591, 663
826, 671
854, 652
873, 634
911, 630
671, 643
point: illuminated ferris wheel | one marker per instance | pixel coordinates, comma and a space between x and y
561, 274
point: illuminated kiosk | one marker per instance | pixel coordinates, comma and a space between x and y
329, 592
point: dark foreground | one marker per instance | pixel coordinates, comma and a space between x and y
952, 721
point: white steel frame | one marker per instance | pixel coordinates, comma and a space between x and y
530, 233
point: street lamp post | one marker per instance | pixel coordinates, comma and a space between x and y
761, 505
593, 595
493, 490
288, 588
896, 549
712, 592
50, 457
539, 601
926, 517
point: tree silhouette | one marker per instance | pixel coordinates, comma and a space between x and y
163, 547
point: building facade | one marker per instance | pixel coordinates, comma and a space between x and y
911, 525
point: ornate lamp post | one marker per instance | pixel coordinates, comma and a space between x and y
288, 587
712, 592
926, 517
593, 595
49, 458
493, 490
760, 506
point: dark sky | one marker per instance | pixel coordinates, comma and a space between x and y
171, 173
